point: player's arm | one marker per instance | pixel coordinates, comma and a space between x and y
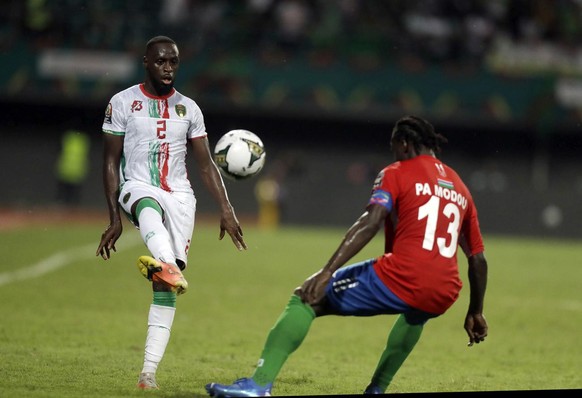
213, 181
471, 242
112, 150
355, 239
475, 323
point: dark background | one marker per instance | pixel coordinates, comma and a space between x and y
318, 188
516, 146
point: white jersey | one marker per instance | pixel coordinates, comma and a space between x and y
156, 131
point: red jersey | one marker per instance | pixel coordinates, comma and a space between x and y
434, 213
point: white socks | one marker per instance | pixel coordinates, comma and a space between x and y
160, 321
160, 317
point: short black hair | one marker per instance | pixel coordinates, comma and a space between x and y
156, 40
419, 132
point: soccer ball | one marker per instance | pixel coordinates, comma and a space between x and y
239, 154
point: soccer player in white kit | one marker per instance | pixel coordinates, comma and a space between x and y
147, 128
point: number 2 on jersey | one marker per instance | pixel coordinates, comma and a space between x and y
161, 129
430, 211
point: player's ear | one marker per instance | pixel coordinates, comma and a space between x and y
408, 149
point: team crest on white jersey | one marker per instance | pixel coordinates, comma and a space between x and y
180, 110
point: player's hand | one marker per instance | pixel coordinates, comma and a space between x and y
229, 223
313, 289
476, 327
108, 239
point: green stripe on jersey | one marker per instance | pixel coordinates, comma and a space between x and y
153, 163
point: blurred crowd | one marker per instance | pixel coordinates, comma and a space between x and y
433, 30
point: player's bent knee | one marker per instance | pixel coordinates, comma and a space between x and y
142, 203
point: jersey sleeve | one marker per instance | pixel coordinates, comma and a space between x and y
115, 121
385, 189
383, 194
197, 127
472, 241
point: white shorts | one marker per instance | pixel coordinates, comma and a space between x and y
179, 210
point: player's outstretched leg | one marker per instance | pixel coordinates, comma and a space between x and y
241, 388
158, 271
147, 381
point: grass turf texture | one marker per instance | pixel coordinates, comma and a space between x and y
79, 330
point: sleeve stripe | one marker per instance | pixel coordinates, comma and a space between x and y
113, 132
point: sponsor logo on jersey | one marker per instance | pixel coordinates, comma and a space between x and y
180, 110
136, 106
126, 197
108, 113
441, 169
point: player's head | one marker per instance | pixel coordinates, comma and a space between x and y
161, 62
412, 136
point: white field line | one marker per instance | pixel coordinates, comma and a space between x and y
58, 260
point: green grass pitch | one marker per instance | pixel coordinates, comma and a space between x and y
77, 328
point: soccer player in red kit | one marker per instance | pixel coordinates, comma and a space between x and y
427, 212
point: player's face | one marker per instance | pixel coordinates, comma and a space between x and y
161, 63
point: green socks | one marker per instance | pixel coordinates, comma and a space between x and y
284, 338
402, 339
293, 325
165, 299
